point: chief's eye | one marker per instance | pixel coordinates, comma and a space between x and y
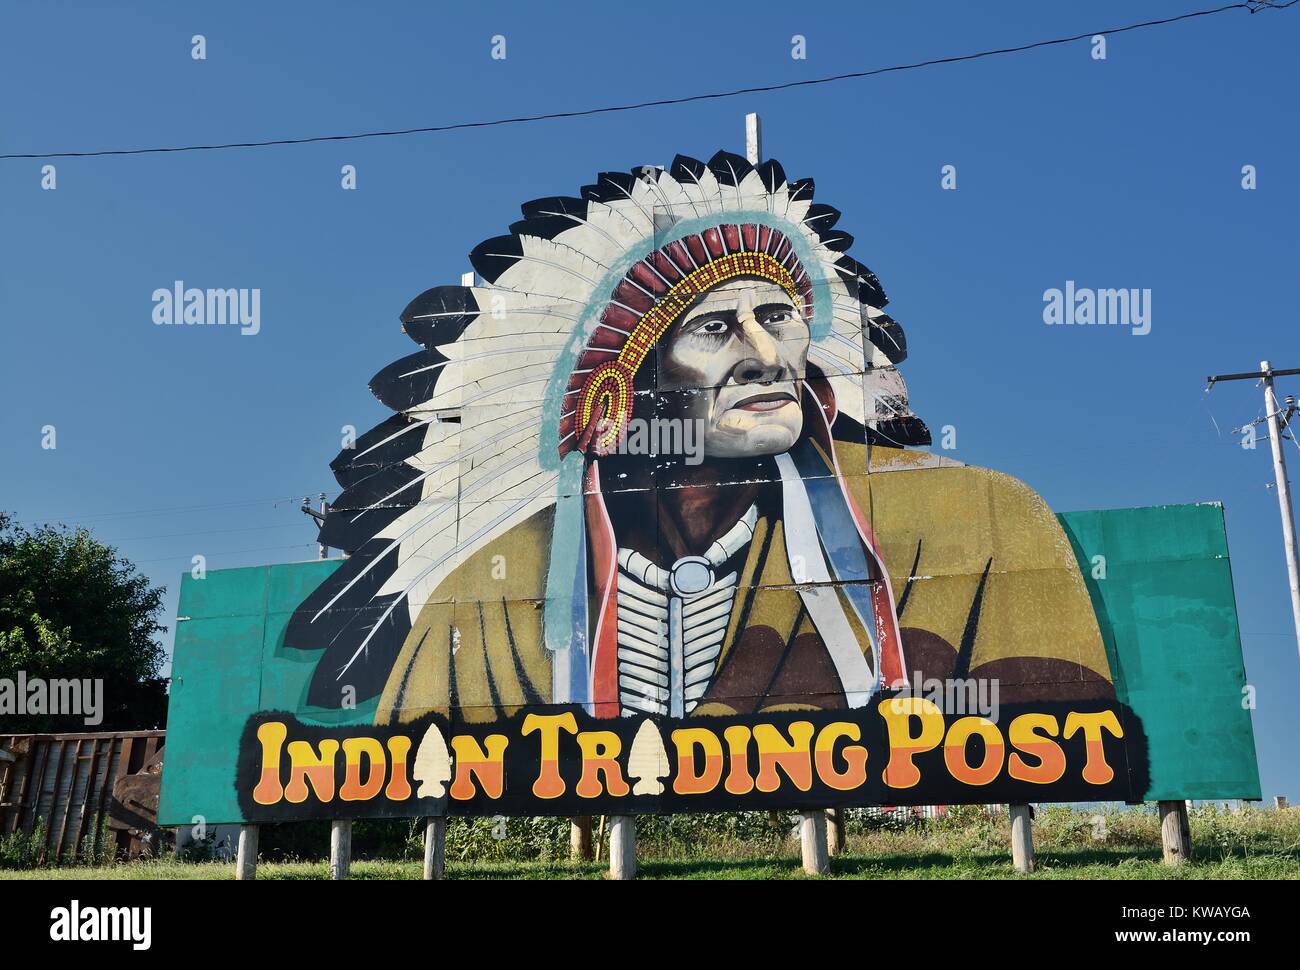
777, 316
713, 327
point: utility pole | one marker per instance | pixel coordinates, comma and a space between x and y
320, 521
1278, 421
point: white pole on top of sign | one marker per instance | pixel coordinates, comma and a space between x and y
753, 138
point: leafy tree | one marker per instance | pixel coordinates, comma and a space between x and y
72, 608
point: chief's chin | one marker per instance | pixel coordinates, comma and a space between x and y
757, 442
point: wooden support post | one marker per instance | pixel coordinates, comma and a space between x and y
580, 848
54, 801
8, 770
86, 810
112, 773
622, 847
1175, 833
1022, 837
340, 848
812, 840
835, 837
246, 857
27, 811
435, 846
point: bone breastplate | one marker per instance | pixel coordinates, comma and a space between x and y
671, 624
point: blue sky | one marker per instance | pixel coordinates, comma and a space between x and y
1117, 173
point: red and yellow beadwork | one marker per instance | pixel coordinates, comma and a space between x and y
611, 383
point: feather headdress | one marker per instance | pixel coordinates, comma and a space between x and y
496, 410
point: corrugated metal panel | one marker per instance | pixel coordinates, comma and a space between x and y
64, 784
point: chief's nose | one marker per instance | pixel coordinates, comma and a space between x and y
763, 362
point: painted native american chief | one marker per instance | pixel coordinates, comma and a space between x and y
510, 549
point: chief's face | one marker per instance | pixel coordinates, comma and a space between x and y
745, 346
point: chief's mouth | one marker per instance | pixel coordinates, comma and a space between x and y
771, 401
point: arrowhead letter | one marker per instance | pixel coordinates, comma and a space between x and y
648, 761
432, 765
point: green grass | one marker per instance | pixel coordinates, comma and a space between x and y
969, 844
850, 865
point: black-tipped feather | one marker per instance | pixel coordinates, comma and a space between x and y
554, 204
345, 529
390, 441
545, 227
365, 679
395, 486
610, 187
440, 315
836, 240
772, 174
729, 168
494, 256
885, 333
904, 432
861, 282
821, 218
408, 382
801, 190
343, 627
687, 170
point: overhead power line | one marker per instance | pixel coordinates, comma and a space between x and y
164, 510
225, 552
1253, 6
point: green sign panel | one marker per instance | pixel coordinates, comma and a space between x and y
1159, 580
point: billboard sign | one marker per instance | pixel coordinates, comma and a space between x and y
652, 529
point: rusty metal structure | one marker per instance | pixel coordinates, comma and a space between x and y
82, 794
